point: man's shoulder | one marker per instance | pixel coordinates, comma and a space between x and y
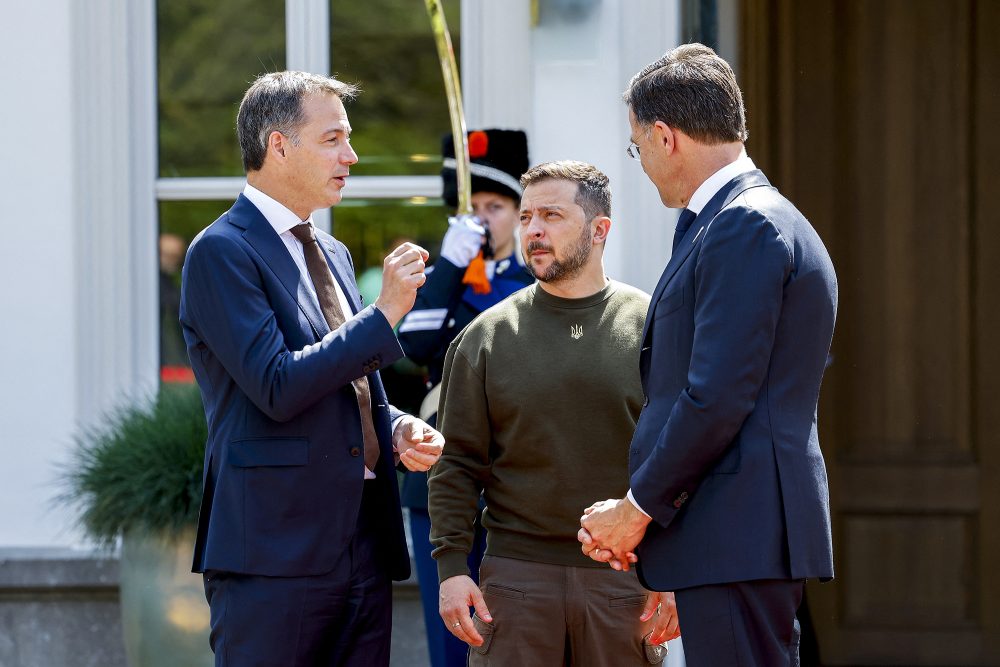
762, 204
501, 318
630, 294
220, 233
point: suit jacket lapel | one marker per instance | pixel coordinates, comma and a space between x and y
696, 232
261, 235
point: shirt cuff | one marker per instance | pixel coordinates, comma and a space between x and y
631, 499
395, 423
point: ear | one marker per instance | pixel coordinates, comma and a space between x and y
276, 145
665, 136
602, 225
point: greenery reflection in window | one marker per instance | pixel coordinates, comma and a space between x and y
371, 228
387, 48
180, 222
208, 53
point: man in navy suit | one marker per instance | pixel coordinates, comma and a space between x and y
728, 505
300, 532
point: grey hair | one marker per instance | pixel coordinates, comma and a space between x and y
692, 89
593, 192
273, 103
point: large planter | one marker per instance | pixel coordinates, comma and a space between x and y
164, 613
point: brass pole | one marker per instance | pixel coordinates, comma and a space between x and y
453, 89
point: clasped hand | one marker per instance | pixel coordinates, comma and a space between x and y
418, 445
611, 530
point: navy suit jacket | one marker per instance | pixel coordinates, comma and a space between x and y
725, 456
284, 462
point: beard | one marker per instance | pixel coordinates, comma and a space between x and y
561, 268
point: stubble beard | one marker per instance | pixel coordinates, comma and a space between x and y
560, 270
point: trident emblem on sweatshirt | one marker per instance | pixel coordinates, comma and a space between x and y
576, 331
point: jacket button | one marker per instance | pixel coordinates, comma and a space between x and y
355, 451
645, 401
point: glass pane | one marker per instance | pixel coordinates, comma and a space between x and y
371, 228
180, 221
207, 53
386, 47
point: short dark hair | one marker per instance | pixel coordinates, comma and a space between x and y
593, 193
274, 103
692, 89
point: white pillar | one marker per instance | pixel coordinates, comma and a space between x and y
307, 49
78, 261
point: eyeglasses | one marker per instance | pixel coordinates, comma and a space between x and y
632, 151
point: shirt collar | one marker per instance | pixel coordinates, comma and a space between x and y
276, 213
716, 181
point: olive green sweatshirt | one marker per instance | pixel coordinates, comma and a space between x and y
539, 399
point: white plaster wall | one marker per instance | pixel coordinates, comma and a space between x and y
579, 70
37, 272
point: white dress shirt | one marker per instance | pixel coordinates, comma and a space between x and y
716, 181
282, 220
708, 189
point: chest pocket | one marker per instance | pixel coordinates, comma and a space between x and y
669, 303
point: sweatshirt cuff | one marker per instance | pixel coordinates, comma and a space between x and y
631, 499
452, 563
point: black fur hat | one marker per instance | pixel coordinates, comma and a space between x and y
498, 158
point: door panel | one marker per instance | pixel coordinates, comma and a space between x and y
877, 118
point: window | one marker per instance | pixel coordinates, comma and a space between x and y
208, 51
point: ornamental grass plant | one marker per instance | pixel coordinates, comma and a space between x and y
140, 470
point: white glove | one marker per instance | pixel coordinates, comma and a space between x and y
463, 239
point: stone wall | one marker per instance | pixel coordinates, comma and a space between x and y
59, 608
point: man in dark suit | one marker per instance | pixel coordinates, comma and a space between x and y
300, 530
728, 505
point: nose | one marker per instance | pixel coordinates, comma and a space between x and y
535, 227
349, 157
533, 230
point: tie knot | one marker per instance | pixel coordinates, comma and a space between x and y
687, 216
304, 232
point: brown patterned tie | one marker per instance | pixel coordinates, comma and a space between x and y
329, 303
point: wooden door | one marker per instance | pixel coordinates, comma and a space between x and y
880, 119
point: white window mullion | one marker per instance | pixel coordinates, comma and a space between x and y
358, 187
307, 48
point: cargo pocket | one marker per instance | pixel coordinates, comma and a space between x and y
634, 600
486, 631
504, 592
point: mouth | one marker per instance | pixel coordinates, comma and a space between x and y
341, 181
538, 252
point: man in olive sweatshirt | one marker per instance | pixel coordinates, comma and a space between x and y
540, 397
